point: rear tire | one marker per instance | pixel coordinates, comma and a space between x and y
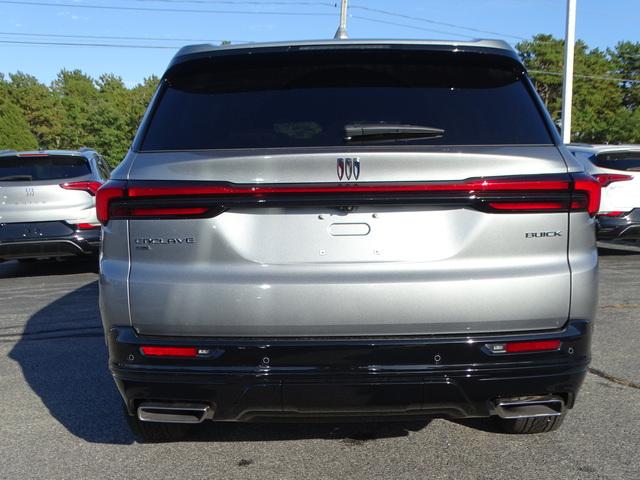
530, 425
155, 432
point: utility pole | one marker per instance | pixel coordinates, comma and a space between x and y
567, 84
341, 33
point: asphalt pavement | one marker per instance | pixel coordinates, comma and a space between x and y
61, 413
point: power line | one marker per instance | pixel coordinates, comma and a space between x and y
172, 10
434, 22
386, 22
589, 77
108, 37
73, 44
245, 2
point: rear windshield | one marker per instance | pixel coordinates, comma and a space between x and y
50, 167
306, 99
618, 160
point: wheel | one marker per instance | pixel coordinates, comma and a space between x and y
155, 432
531, 424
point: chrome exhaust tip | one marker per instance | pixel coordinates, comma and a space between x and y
174, 412
526, 407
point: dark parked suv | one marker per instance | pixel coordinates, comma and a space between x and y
340, 229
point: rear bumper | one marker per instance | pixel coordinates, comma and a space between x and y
279, 379
620, 229
46, 239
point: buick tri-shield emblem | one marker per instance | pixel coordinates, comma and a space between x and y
348, 167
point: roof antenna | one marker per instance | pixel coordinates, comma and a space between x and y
341, 33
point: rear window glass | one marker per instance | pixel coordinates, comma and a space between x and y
50, 167
618, 160
305, 99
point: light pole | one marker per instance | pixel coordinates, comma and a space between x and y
567, 84
341, 33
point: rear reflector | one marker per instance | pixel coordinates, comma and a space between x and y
153, 351
523, 347
525, 194
91, 187
606, 179
88, 226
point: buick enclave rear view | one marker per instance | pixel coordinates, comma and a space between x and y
347, 229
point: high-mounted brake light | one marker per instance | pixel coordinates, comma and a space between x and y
524, 347
155, 351
606, 179
91, 187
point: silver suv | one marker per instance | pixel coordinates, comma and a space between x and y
47, 203
339, 229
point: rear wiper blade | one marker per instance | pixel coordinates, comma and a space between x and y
372, 132
16, 177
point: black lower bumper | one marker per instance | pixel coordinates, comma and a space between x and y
625, 228
46, 239
279, 379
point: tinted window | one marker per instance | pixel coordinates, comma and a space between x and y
16, 168
618, 160
306, 99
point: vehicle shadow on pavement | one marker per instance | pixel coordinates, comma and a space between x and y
349, 433
41, 268
64, 360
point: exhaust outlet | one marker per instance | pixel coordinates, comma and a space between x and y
525, 407
174, 412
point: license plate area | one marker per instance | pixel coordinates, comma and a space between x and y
33, 231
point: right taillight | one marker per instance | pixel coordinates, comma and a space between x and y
586, 193
606, 179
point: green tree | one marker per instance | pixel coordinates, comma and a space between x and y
596, 101
14, 128
78, 97
40, 107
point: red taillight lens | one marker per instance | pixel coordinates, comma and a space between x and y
153, 351
527, 206
91, 187
105, 194
586, 186
527, 194
166, 212
606, 179
523, 347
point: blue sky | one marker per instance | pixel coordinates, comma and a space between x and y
600, 23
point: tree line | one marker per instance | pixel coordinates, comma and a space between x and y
77, 110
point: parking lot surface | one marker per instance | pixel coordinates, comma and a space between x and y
61, 413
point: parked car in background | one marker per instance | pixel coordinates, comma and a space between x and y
345, 228
617, 168
47, 207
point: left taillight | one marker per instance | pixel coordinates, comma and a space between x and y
90, 187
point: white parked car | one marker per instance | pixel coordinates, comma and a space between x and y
617, 168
